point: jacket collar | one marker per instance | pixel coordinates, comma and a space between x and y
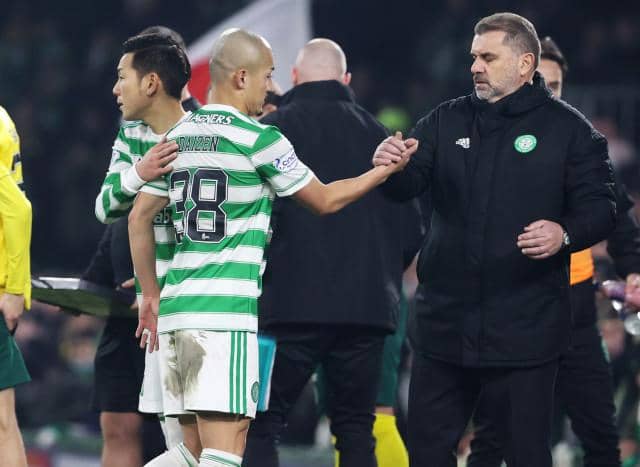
528, 97
330, 90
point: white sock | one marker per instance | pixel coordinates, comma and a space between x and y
171, 430
177, 456
215, 458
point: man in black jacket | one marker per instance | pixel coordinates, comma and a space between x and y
583, 387
518, 180
332, 287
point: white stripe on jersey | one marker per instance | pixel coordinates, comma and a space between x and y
259, 221
196, 260
209, 321
247, 194
164, 234
218, 160
142, 133
208, 286
119, 145
162, 267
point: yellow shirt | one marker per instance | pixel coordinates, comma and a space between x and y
15, 216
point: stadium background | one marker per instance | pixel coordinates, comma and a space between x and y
57, 69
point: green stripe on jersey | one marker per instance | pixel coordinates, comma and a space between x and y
204, 304
229, 270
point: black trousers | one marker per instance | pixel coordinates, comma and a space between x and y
442, 398
351, 358
584, 389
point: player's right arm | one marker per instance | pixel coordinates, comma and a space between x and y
142, 243
15, 214
328, 198
125, 178
277, 163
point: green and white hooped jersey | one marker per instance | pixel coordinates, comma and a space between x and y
221, 190
122, 183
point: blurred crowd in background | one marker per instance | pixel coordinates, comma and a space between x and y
57, 69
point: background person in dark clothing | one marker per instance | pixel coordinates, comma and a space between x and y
517, 179
119, 361
583, 387
333, 285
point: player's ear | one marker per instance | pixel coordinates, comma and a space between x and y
240, 78
151, 83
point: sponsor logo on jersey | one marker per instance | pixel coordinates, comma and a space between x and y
163, 217
464, 142
212, 119
287, 162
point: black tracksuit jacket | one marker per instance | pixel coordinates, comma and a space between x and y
481, 301
344, 268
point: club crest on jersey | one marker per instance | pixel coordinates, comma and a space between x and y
255, 391
287, 162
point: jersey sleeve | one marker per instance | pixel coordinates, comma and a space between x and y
15, 212
120, 185
276, 162
158, 187
10, 147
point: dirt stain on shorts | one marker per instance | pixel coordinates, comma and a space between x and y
190, 355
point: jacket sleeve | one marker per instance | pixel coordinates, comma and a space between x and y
120, 185
15, 212
415, 177
100, 270
623, 245
590, 209
414, 232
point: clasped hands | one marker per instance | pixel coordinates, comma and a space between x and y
395, 150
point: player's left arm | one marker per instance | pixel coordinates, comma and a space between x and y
15, 212
142, 245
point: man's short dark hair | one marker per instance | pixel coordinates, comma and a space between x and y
167, 32
551, 51
162, 55
519, 32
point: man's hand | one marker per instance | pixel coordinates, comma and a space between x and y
632, 291
540, 239
395, 150
147, 329
155, 162
127, 285
12, 307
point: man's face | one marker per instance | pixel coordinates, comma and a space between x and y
128, 90
495, 67
258, 85
552, 74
